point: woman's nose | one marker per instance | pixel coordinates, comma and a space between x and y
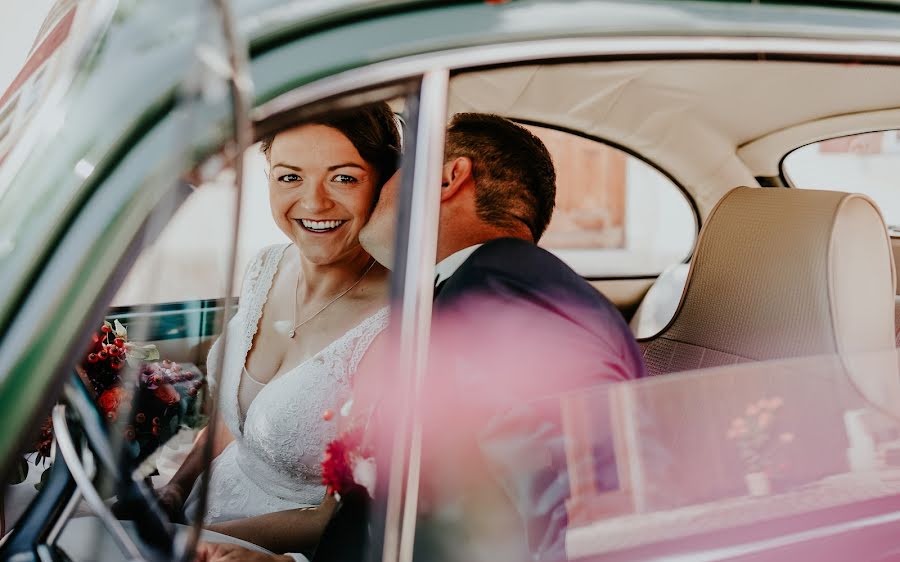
315, 199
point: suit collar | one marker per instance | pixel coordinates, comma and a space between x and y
448, 266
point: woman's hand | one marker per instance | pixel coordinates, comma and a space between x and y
171, 498
219, 552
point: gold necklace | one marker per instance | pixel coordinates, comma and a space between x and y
293, 331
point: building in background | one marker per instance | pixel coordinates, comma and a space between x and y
43, 65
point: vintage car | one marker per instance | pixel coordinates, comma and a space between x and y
727, 176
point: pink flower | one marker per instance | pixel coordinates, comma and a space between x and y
167, 394
764, 419
786, 437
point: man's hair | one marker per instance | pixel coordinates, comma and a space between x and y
373, 131
515, 181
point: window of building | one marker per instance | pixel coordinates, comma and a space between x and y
616, 215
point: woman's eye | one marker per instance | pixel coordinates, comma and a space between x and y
289, 178
344, 178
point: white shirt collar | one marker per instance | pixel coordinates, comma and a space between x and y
448, 266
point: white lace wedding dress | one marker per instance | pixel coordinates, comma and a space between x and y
274, 462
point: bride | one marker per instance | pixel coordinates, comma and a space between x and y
308, 312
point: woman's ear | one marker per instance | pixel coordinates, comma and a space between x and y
456, 174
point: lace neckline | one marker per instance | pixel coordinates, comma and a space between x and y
265, 287
350, 334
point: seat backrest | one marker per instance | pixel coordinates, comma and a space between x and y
782, 273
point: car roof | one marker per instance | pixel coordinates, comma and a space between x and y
708, 115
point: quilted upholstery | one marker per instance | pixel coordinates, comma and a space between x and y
782, 273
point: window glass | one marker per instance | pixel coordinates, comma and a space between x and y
194, 249
312, 305
782, 444
866, 163
685, 462
143, 367
615, 214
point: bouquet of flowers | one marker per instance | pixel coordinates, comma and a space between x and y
161, 395
348, 464
759, 444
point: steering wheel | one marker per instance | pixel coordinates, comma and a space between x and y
72, 478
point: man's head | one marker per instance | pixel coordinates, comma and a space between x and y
498, 181
515, 182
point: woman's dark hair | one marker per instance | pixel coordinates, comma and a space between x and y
373, 131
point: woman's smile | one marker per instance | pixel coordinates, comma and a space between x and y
320, 226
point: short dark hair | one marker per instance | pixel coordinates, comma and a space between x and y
373, 131
515, 181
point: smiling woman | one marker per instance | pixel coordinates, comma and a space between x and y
320, 297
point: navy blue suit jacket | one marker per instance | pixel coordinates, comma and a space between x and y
514, 330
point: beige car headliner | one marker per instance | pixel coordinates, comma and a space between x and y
712, 125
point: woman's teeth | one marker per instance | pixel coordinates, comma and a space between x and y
320, 226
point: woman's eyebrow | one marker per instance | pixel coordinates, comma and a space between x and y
347, 165
330, 168
288, 166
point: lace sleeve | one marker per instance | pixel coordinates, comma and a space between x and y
372, 327
343, 356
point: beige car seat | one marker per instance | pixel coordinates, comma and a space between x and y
782, 273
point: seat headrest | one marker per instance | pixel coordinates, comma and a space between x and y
789, 272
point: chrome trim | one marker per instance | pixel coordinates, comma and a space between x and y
64, 517
761, 546
548, 49
431, 127
83, 481
241, 89
413, 287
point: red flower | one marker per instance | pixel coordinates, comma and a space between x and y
109, 401
337, 470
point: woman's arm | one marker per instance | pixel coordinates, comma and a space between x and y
173, 494
293, 530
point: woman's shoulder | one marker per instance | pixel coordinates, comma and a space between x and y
263, 264
272, 252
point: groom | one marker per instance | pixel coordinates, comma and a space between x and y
513, 328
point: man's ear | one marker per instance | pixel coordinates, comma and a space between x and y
456, 174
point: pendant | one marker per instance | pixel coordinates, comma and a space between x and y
291, 334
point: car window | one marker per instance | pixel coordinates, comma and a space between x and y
616, 215
864, 163
312, 305
143, 364
194, 248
